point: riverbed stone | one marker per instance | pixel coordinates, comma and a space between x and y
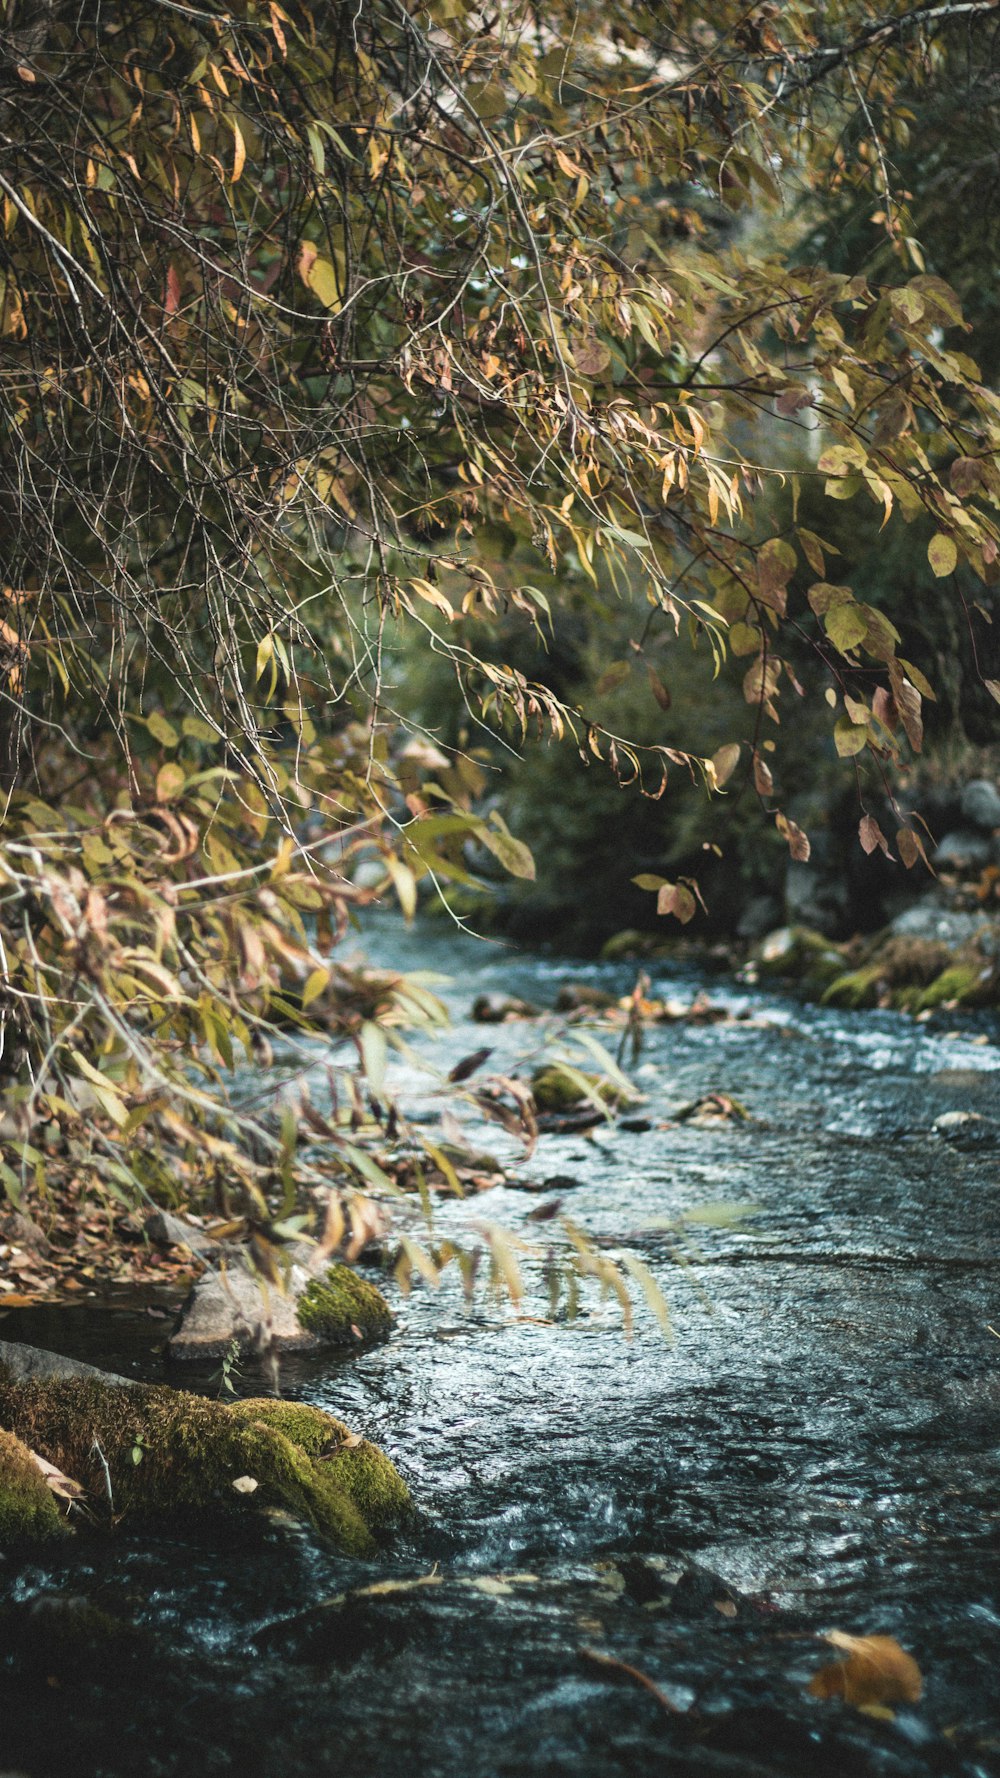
175, 1231
18, 1230
298, 1314
930, 919
798, 953
964, 849
761, 914
234, 1306
815, 897
981, 804
499, 1009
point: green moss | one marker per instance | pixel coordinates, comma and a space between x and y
907, 962
170, 1454
858, 988
29, 1512
630, 943
962, 982
333, 1306
313, 1431
366, 1476
554, 1088
797, 953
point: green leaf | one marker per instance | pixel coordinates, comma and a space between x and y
849, 737
846, 626
513, 854
162, 730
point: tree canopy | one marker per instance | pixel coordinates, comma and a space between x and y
323, 326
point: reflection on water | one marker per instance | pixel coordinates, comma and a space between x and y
823, 1446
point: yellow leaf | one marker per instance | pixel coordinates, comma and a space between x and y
314, 986
426, 590
170, 782
322, 280
873, 1670
942, 554
239, 151
725, 762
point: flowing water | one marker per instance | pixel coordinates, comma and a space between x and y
817, 1450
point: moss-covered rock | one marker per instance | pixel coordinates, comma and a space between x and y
962, 982
555, 1088
632, 943
798, 954
28, 1509
342, 1308
858, 988
162, 1454
908, 962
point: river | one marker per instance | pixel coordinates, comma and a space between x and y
817, 1450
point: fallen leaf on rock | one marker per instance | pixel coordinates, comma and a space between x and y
874, 1670
245, 1484
61, 1485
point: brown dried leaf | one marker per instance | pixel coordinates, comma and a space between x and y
873, 1670
871, 836
61, 1485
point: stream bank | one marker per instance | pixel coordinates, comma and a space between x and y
817, 1451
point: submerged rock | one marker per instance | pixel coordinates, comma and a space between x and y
499, 1009
581, 996
154, 1453
299, 1314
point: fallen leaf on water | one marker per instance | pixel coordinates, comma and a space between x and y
874, 1670
598, 1659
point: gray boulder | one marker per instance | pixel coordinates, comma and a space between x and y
22, 1363
964, 849
761, 914
929, 920
235, 1305
815, 898
172, 1231
981, 804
